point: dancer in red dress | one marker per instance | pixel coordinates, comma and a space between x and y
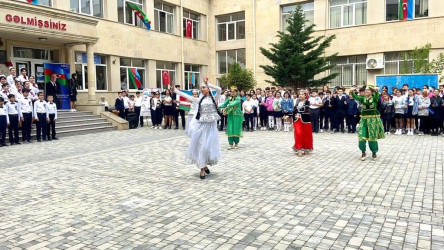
303, 135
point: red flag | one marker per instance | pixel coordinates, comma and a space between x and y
404, 4
166, 77
189, 28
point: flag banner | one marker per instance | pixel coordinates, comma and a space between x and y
185, 104
406, 9
63, 73
189, 28
193, 79
166, 77
134, 78
33, 1
140, 14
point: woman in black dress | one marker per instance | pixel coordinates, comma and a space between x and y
73, 91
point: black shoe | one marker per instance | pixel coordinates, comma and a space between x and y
29, 141
202, 177
374, 157
55, 138
4, 145
45, 140
176, 128
39, 140
207, 171
183, 128
49, 139
11, 143
18, 143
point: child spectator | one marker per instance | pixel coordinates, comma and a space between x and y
4, 122
352, 113
41, 117
52, 115
14, 119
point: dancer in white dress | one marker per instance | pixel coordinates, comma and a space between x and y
194, 99
204, 149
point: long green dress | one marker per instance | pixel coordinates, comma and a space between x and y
370, 126
235, 118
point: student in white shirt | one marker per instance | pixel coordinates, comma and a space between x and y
103, 102
41, 117
256, 112
145, 109
52, 115
31, 95
4, 122
138, 105
13, 108
34, 87
26, 115
5, 92
11, 79
248, 110
23, 77
399, 103
125, 103
315, 105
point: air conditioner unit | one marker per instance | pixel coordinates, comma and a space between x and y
375, 63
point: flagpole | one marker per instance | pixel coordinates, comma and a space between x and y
182, 40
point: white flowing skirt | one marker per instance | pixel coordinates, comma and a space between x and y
190, 124
204, 148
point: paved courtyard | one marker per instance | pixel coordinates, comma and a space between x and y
128, 189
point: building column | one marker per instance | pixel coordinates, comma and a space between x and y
91, 73
69, 59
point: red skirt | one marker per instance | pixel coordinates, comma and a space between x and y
303, 135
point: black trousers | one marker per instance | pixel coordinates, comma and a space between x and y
51, 131
13, 129
387, 122
249, 121
126, 114
26, 126
314, 117
351, 123
424, 124
340, 120
223, 121
41, 126
137, 109
327, 120
182, 117
3, 126
121, 114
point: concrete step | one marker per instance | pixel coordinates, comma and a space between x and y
67, 127
82, 120
72, 114
77, 117
75, 131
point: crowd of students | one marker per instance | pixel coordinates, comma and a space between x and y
406, 110
22, 104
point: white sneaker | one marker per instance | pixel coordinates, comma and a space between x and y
322, 131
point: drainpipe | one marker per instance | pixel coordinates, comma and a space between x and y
182, 84
254, 38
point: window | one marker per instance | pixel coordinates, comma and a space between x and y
126, 15
345, 13
231, 27
87, 7
193, 21
226, 58
41, 54
132, 73
163, 17
307, 9
82, 71
165, 66
352, 71
41, 2
192, 76
421, 9
396, 63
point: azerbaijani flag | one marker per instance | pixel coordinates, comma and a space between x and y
406, 9
33, 1
139, 13
185, 104
193, 79
134, 78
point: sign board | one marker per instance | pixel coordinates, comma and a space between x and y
413, 80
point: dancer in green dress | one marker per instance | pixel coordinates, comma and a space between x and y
370, 125
233, 109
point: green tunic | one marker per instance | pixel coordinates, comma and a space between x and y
370, 126
235, 117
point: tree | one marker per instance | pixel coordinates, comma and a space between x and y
242, 79
420, 58
298, 56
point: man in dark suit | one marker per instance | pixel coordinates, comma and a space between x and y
52, 88
340, 106
120, 107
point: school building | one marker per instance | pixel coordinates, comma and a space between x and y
190, 39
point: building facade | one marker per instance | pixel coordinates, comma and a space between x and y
103, 40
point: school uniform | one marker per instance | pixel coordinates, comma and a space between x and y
120, 107
52, 114
5, 94
41, 113
23, 78
14, 119
126, 106
26, 114
11, 82
177, 112
138, 106
328, 112
352, 112
4, 120
247, 108
263, 116
315, 112
340, 107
